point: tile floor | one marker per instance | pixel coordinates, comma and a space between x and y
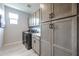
16, 50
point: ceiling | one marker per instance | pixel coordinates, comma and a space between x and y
25, 7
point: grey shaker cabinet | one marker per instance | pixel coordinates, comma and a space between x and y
36, 44
34, 18
64, 40
46, 39
64, 9
46, 10
58, 9
60, 40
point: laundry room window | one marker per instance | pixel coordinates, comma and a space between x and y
13, 18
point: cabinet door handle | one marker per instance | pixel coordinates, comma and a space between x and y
34, 41
51, 26
51, 15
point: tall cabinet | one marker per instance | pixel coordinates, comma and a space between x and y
59, 33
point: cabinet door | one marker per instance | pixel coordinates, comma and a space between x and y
45, 11
46, 39
45, 48
65, 37
64, 9
37, 18
35, 45
33, 19
30, 20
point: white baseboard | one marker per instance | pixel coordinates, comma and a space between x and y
12, 43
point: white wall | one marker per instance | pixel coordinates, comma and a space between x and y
1, 36
13, 32
3, 23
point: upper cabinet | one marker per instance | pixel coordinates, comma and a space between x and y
2, 14
45, 11
64, 10
57, 10
34, 19
37, 18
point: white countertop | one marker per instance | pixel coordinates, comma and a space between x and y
36, 34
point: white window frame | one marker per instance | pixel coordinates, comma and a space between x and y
13, 17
